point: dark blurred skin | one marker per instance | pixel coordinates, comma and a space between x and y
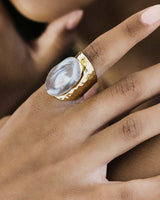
102, 15
25, 61
46, 11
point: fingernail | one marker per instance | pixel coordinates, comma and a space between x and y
74, 19
151, 15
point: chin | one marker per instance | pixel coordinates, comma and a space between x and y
35, 11
47, 10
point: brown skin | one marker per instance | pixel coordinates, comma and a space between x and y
143, 161
139, 60
41, 155
46, 11
24, 65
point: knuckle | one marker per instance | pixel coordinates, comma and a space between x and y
130, 30
93, 51
54, 134
125, 193
37, 102
129, 87
131, 128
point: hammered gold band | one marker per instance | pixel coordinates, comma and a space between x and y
87, 80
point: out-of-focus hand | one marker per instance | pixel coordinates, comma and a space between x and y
52, 150
46, 11
23, 65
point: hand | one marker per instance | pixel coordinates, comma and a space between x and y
52, 149
23, 65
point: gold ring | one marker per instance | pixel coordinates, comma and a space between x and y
71, 78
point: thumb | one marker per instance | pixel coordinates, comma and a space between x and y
53, 42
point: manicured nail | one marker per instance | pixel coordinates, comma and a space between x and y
74, 19
151, 15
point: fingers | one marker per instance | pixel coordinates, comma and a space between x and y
111, 46
147, 189
54, 41
114, 101
122, 136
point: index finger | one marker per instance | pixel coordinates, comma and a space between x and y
112, 45
104, 52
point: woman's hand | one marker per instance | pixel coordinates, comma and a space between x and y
52, 150
23, 65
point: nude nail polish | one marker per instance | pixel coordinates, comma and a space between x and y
74, 19
151, 15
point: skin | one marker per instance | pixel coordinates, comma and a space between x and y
143, 161
46, 11
39, 161
132, 161
30, 60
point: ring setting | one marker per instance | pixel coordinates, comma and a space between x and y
71, 78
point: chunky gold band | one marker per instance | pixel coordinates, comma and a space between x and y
87, 80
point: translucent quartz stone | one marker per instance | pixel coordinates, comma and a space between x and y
63, 77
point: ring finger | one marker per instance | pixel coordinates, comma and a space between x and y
103, 53
112, 45
122, 136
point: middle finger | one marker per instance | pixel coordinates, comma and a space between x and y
112, 102
103, 53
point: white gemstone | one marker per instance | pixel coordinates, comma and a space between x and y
63, 77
